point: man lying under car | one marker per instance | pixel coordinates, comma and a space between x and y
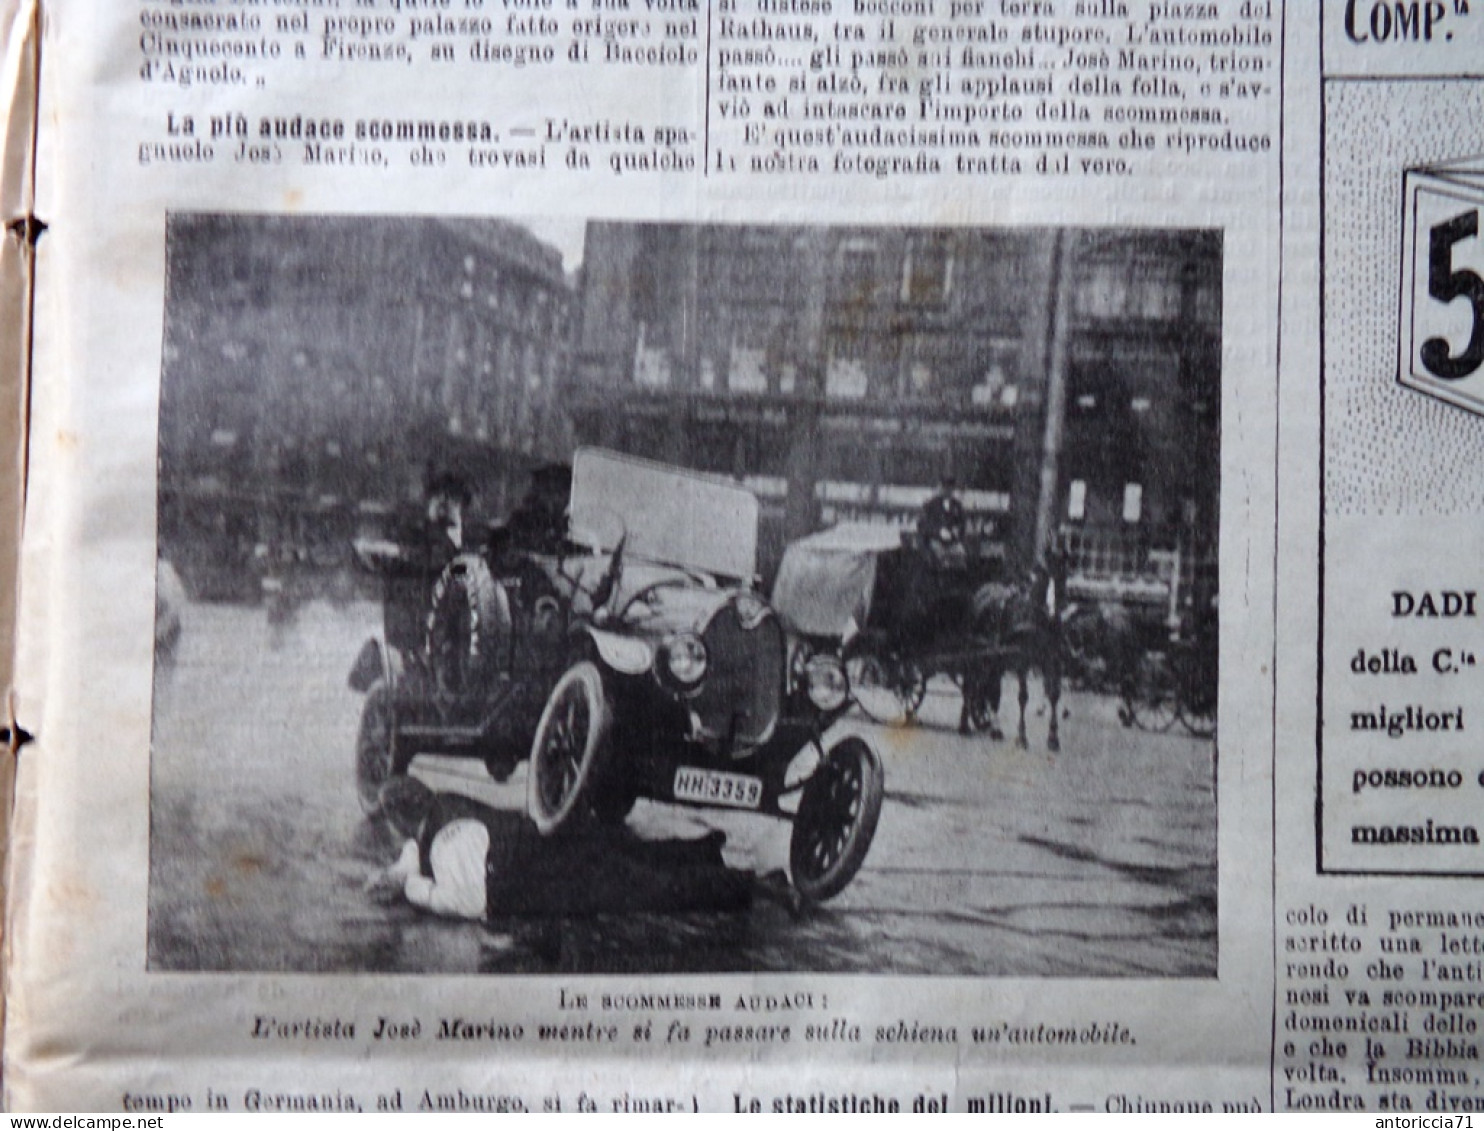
466, 860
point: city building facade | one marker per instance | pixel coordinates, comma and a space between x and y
1068, 381
317, 367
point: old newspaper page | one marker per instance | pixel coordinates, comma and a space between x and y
698, 555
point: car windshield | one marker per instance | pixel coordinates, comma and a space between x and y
668, 514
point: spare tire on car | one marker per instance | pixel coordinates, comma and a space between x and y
468, 629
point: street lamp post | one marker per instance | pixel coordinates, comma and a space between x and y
1057, 361
804, 433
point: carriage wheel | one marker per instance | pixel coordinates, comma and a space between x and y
836, 820
1152, 702
1202, 723
1198, 689
888, 689
1199, 715
568, 750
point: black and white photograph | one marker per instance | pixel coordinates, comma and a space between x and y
553, 595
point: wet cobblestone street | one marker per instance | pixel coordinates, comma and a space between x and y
1099, 860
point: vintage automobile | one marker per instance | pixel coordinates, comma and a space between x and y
631, 659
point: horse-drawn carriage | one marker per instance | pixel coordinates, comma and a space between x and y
902, 612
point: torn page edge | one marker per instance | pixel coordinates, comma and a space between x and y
20, 63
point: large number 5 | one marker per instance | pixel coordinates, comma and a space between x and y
1445, 285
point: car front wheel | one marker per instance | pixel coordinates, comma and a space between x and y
566, 756
836, 820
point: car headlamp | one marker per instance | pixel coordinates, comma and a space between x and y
684, 657
826, 682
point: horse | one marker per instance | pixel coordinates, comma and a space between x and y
1020, 627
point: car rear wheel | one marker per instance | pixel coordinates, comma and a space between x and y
836, 820
377, 757
567, 754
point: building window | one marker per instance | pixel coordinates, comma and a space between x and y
651, 363
1104, 291
1155, 294
846, 378
1135, 288
992, 385
747, 366
1206, 303
1077, 500
758, 274
856, 282
927, 271
1133, 502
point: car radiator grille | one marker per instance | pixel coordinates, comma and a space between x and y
739, 699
